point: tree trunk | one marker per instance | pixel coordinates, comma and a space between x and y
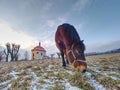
6, 58
12, 57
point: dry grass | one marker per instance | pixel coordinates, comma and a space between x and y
5, 77
109, 83
107, 66
80, 81
102, 68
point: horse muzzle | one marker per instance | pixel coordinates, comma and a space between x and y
80, 66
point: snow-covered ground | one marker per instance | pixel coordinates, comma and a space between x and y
93, 82
49, 75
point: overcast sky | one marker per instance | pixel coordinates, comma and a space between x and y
26, 22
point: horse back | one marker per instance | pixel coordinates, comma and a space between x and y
66, 33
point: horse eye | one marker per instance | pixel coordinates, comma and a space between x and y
79, 52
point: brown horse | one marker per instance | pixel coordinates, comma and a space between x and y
69, 43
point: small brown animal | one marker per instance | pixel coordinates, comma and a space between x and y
69, 43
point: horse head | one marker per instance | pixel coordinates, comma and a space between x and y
76, 56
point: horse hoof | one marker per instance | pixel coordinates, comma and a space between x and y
64, 67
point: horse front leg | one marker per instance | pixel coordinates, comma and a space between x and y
63, 60
67, 61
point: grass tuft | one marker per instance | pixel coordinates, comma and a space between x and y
80, 81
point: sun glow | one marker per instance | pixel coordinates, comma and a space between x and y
9, 34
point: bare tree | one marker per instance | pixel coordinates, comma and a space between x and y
26, 55
6, 51
1, 53
12, 50
58, 53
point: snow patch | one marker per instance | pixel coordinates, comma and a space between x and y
34, 81
5, 82
70, 72
14, 74
69, 87
94, 83
114, 78
48, 83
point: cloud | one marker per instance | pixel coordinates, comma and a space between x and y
48, 6
50, 46
62, 19
98, 47
110, 45
9, 34
80, 4
50, 23
79, 27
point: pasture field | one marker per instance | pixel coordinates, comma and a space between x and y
103, 73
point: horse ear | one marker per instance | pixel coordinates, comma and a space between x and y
82, 40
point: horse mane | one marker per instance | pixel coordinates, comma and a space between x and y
72, 32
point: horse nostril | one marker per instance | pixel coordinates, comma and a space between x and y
84, 71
